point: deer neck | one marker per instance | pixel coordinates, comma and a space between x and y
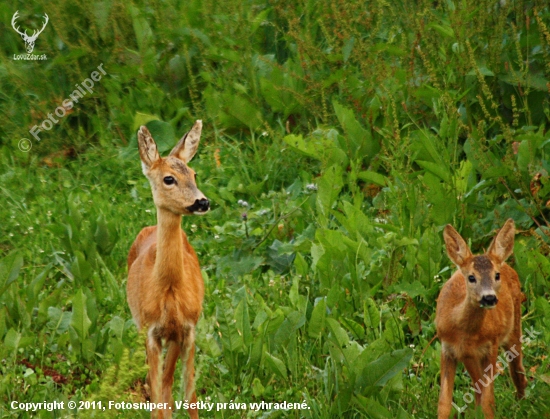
169, 258
470, 315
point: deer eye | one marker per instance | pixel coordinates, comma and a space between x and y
497, 276
169, 180
472, 279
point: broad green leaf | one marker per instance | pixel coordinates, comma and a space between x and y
355, 328
37, 284
9, 270
257, 387
413, 289
163, 134
440, 171
373, 177
143, 119
443, 30
256, 351
413, 319
11, 340
393, 332
275, 365
318, 147
302, 267
81, 268
80, 321
142, 30
291, 323
429, 147
360, 144
231, 340
378, 372
243, 321
116, 326
371, 314
316, 323
329, 187
337, 331
347, 48
58, 320
531, 80
240, 108
372, 408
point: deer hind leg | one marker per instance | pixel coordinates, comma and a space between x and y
517, 371
170, 360
154, 353
188, 360
514, 351
448, 370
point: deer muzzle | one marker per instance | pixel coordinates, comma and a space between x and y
488, 301
200, 206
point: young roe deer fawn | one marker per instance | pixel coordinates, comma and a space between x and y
478, 311
165, 286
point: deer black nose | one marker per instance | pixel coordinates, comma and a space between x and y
203, 204
489, 300
200, 205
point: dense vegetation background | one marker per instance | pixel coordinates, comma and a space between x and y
340, 137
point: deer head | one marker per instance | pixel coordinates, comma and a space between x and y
29, 40
481, 272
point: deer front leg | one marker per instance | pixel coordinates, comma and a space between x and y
187, 358
474, 368
154, 352
448, 370
170, 360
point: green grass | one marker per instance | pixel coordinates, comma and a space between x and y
353, 132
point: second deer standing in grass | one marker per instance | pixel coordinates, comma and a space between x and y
478, 311
165, 286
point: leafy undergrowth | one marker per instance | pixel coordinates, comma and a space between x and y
338, 142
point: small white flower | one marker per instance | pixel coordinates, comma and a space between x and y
311, 187
242, 203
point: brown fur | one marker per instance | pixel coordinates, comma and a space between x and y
165, 287
472, 334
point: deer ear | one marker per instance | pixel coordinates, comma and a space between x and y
457, 249
147, 149
186, 148
502, 245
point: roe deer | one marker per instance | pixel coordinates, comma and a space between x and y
165, 286
478, 311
